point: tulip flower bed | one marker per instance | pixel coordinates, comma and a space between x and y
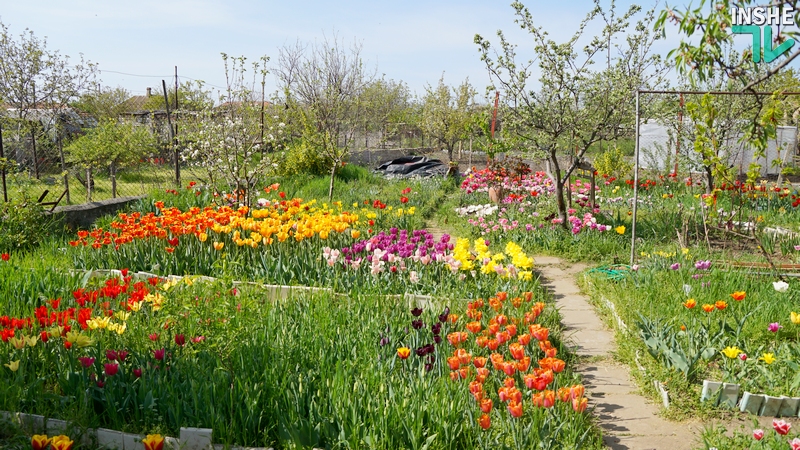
295, 242
706, 321
149, 356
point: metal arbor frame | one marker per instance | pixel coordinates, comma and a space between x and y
636, 163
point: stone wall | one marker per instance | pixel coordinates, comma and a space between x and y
84, 215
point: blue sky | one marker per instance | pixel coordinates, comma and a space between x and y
414, 41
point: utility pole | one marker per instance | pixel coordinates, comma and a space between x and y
172, 137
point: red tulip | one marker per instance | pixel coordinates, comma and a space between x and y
111, 369
781, 426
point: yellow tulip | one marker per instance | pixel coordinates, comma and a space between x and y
13, 365
78, 339
768, 358
795, 318
731, 352
620, 229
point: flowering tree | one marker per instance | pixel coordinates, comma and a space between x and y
227, 140
446, 114
32, 76
576, 105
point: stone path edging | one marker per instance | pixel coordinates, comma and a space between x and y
628, 420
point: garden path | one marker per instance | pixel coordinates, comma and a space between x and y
627, 419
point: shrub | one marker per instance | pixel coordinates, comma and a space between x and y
612, 162
24, 225
300, 157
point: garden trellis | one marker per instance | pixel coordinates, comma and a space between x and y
729, 147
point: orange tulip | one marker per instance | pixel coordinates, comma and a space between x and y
564, 394
539, 332
515, 409
739, 295
509, 368
544, 399
528, 296
485, 421
493, 344
524, 339
453, 363
486, 405
524, 364
403, 352
509, 382
517, 351
577, 391
691, 303
475, 386
218, 245
502, 296
580, 404
551, 352
481, 374
511, 330
720, 304
708, 308
479, 361
474, 327
482, 341
497, 359
463, 356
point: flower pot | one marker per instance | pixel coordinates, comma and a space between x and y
710, 391
789, 406
771, 406
751, 403
730, 395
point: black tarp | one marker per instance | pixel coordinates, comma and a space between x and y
413, 166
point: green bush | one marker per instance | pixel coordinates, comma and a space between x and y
612, 162
24, 225
301, 157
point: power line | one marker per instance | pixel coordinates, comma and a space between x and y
159, 76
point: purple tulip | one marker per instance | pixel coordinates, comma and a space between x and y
774, 327
675, 266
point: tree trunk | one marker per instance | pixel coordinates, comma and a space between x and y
35, 155
88, 184
330, 188
709, 180
555, 174
63, 167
